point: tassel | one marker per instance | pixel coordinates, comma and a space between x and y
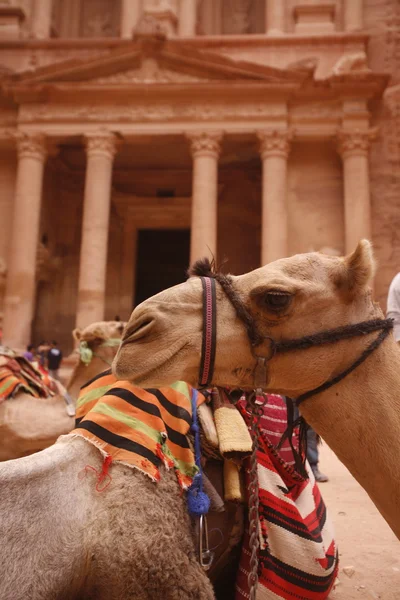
85, 353
198, 502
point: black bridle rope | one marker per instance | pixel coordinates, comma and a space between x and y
205, 270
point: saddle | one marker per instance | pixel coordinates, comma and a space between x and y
17, 374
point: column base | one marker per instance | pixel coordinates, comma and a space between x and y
310, 18
275, 32
11, 18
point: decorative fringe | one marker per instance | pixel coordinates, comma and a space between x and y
102, 475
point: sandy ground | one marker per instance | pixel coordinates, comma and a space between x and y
365, 541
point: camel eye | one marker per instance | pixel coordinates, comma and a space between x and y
276, 301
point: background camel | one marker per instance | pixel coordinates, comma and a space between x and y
29, 424
132, 541
102, 340
290, 298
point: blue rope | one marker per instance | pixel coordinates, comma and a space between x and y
197, 500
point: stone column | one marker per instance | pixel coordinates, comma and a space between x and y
130, 14
19, 301
353, 147
41, 19
353, 15
205, 149
275, 16
128, 269
100, 149
274, 150
187, 18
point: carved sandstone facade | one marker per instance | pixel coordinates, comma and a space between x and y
137, 135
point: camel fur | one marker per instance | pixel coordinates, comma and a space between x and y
29, 424
62, 540
289, 298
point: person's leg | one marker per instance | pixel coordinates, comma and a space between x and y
313, 455
54, 374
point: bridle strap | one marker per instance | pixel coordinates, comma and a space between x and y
258, 340
331, 336
209, 341
367, 352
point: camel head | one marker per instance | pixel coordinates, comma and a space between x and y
97, 345
288, 299
104, 334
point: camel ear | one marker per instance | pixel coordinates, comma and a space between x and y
77, 334
357, 269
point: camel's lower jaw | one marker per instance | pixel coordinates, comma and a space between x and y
162, 370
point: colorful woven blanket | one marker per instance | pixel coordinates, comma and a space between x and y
139, 428
298, 557
19, 375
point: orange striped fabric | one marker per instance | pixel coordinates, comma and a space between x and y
137, 427
19, 375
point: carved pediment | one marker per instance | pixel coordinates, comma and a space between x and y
151, 61
150, 71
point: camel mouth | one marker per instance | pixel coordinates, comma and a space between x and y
122, 366
137, 331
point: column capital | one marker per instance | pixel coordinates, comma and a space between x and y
274, 142
101, 143
205, 143
31, 145
355, 142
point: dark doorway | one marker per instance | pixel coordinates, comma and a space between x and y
162, 260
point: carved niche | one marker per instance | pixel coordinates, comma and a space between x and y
86, 18
236, 16
232, 17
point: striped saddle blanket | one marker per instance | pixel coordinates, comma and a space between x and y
17, 374
140, 428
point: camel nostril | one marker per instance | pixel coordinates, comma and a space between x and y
137, 330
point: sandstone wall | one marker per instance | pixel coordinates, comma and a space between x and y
382, 19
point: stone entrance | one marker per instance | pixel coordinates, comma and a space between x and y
162, 260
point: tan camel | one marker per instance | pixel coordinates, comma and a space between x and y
290, 298
29, 424
60, 539
133, 541
97, 345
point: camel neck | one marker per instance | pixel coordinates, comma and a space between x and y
82, 373
359, 418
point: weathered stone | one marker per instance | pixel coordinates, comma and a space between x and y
285, 103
